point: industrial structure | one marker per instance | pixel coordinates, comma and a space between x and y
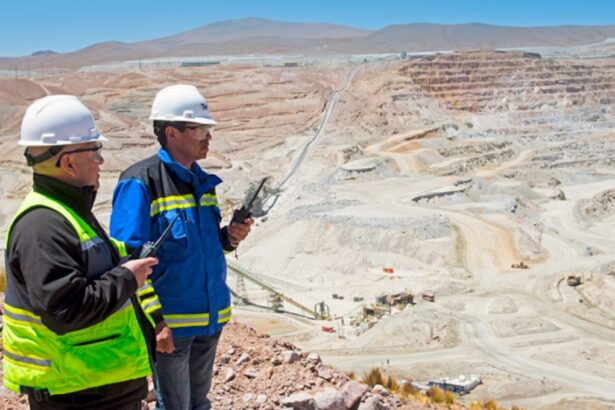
275, 299
198, 63
459, 385
402, 298
383, 303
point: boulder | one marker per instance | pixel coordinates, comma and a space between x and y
314, 357
373, 403
354, 392
290, 356
299, 401
331, 400
229, 375
242, 359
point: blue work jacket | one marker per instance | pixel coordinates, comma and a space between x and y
190, 279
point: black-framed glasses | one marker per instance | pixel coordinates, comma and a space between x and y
95, 148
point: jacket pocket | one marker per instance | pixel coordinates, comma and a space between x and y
106, 352
100, 340
175, 246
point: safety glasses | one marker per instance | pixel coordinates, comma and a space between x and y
96, 148
199, 132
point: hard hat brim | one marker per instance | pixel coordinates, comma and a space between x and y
203, 121
198, 120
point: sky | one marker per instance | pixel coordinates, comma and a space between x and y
27, 26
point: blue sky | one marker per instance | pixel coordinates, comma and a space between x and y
61, 25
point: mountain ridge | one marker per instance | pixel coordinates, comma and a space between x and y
270, 37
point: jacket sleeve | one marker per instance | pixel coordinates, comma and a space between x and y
130, 220
47, 254
130, 224
150, 303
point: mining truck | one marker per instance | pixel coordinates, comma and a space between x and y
520, 265
573, 280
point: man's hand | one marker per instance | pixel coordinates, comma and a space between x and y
140, 268
237, 232
164, 338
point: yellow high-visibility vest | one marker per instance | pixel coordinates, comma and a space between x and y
108, 352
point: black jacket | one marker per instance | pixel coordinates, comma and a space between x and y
45, 273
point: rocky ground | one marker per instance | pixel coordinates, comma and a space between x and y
252, 371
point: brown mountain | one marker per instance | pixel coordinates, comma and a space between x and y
255, 27
245, 36
260, 36
426, 37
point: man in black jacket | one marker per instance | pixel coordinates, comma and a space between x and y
74, 333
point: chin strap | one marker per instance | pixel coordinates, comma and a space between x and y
55, 150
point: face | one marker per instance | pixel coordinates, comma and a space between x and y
193, 141
82, 162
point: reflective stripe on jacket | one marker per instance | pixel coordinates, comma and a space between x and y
111, 351
190, 279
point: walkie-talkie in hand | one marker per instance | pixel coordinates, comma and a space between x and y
241, 214
150, 248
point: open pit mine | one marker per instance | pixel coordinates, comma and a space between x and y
422, 215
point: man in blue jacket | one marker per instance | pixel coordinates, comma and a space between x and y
190, 280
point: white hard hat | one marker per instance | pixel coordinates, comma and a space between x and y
181, 103
58, 120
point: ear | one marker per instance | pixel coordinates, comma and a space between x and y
66, 163
171, 134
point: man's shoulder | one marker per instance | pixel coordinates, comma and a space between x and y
142, 169
39, 215
40, 222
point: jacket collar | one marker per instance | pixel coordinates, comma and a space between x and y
194, 176
78, 199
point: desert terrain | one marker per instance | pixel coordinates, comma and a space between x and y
445, 169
